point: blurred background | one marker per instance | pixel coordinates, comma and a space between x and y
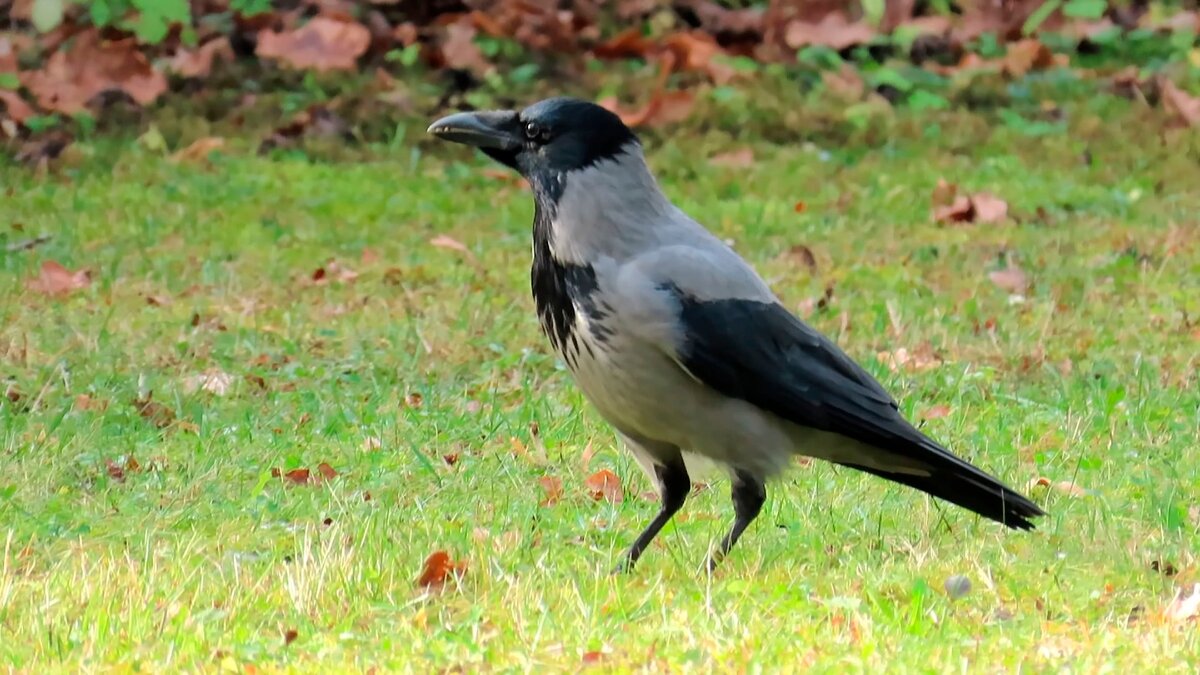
280, 72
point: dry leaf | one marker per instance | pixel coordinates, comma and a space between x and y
295, 476
666, 107
86, 402
289, 636
802, 255
592, 657
833, 31
452, 244
844, 83
1185, 606
324, 43
73, 77
439, 566
989, 208
459, 50
605, 485
901, 359
199, 149
215, 382
115, 471
1011, 279
936, 412
56, 280
156, 413
327, 472
199, 62
15, 106
553, 489
943, 193
1022, 56
961, 210
332, 271
450, 458
1064, 486
734, 159
1177, 102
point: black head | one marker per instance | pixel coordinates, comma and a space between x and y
550, 137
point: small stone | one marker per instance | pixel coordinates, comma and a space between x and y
957, 586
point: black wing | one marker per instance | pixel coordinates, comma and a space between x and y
760, 353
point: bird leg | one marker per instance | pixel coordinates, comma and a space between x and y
674, 485
749, 493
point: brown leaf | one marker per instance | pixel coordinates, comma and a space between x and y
86, 402
115, 471
1025, 55
450, 243
73, 77
327, 472
961, 210
697, 51
1063, 486
553, 488
943, 193
156, 413
332, 271
296, 476
734, 159
324, 43
15, 106
1185, 606
56, 280
799, 207
8, 55
289, 636
901, 359
199, 150
158, 300
1011, 279
450, 458
199, 62
989, 208
1178, 102
667, 107
439, 566
593, 657
845, 83
605, 485
459, 50
414, 399
936, 412
833, 31
802, 255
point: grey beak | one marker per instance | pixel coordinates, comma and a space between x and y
492, 130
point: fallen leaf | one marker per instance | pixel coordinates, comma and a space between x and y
91, 66
327, 472
156, 413
553, 488
936, 412
414, 400
289, 636
198, 62
845, 83
943, 193
666, 107
1185, 606
257, 380
1066, 487
989, 208
901, 359
199, 150
1179, 103
296, 476
452, 244
324, 43
799, 207
834, 30
158, 300
450, 458
439, 566
961, 210
56, 280
592, 657
115, 471
802, 255
86, 402
332, 271
1164, 567
1022, 56
216, 382
734, 159
605, 485
1011, 279
459, 50
15, 106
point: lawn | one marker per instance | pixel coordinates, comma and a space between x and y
283, 313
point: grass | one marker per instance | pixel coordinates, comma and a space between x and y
201, 559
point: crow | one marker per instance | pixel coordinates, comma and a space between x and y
677, 341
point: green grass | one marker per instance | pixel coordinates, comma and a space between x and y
202, 560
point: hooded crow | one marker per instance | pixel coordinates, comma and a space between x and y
680, 345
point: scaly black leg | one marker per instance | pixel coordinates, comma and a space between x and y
749, 493
674, 485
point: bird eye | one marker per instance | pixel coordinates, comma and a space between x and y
534, 131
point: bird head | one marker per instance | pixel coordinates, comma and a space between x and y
549, 138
